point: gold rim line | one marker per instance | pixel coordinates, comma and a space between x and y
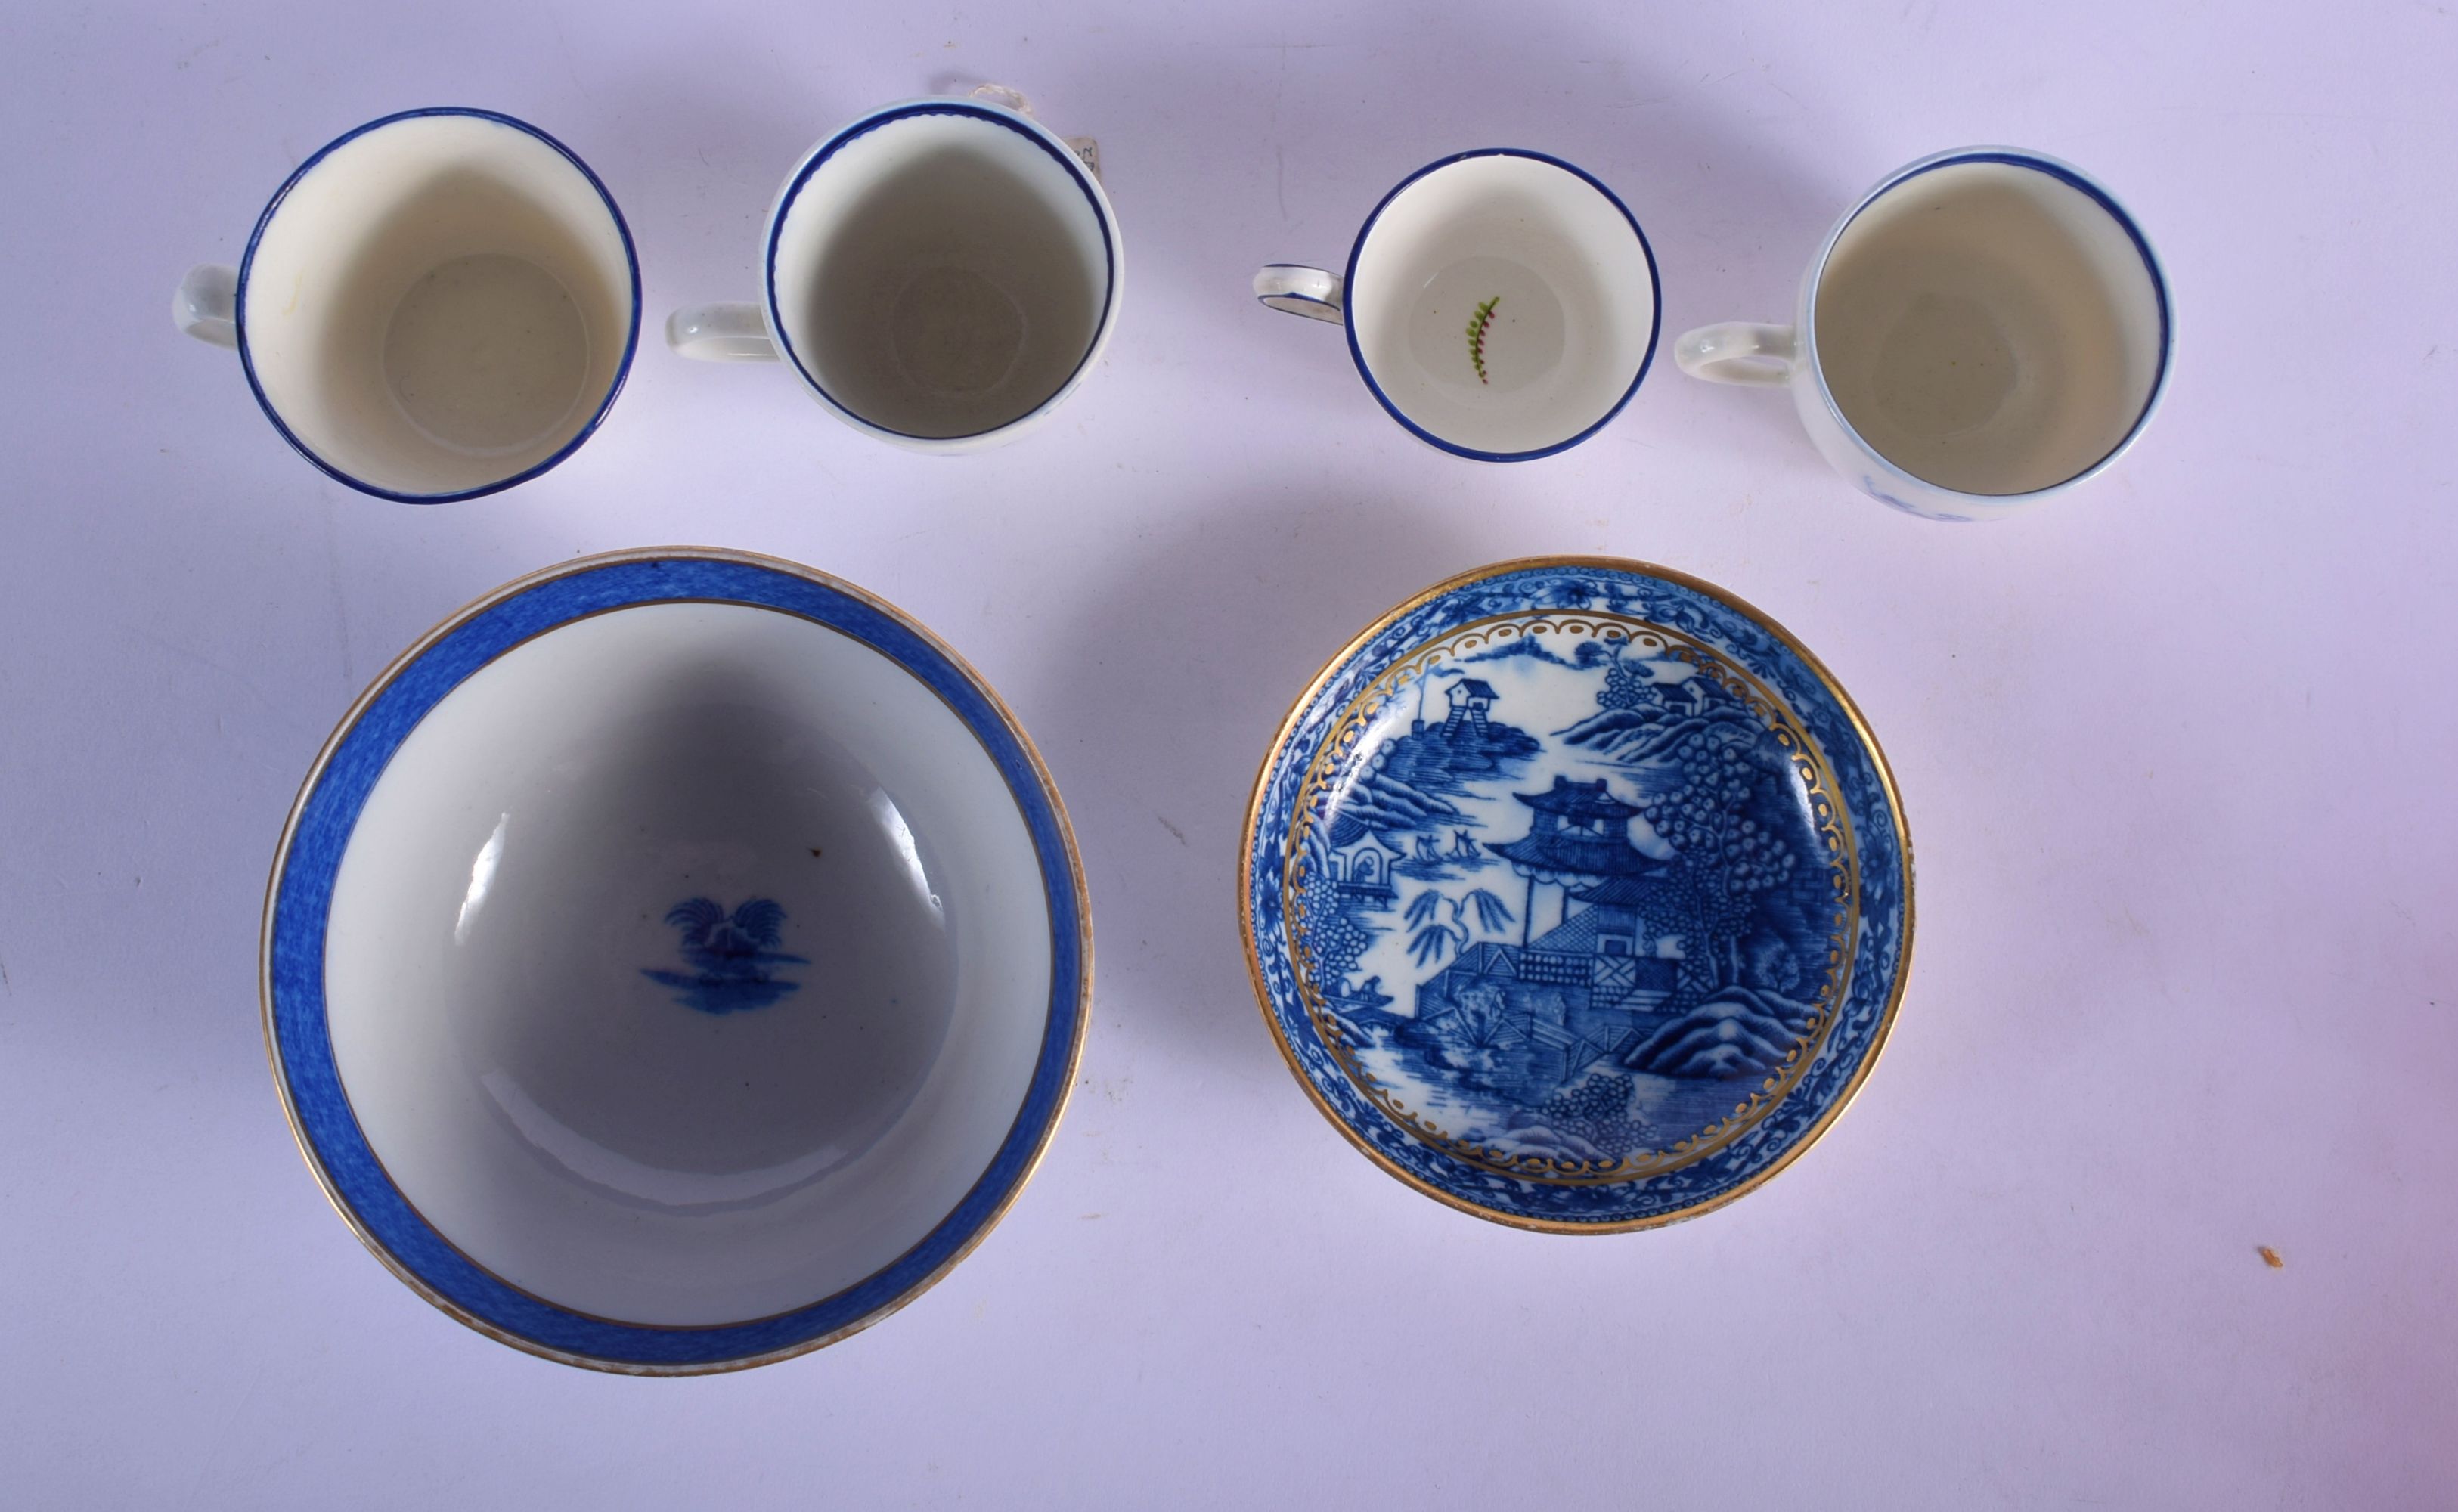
349, 720
1363, 638
1761, 1102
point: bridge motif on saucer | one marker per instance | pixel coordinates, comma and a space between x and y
1577, 895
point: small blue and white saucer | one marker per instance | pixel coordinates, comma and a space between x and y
1577, 895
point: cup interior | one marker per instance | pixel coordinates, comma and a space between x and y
688, 963
1990, 325
439, 303
942, 270
1502, 304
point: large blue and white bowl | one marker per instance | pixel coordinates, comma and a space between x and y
675, 962
1577, 895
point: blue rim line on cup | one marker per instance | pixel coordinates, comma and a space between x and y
299, 900
1030, 131
2064, 172
247, 263
1348, 300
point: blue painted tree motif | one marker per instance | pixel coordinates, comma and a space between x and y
1591, 1118
1719, 795
729, 955
1439, 938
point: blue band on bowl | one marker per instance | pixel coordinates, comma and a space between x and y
303, 900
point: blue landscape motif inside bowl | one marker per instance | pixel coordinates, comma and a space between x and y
1577, 895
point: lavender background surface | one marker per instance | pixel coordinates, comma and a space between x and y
2174, 752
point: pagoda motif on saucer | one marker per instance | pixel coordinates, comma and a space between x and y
1577, 895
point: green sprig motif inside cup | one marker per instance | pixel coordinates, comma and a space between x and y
1477, 323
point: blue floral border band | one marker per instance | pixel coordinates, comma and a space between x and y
299, 900
1880, 949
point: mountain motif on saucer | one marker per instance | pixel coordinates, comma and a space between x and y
1577, 895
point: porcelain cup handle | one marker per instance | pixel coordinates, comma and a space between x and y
1297, 289
1738, 352
1087, 150
720, 333
206, 304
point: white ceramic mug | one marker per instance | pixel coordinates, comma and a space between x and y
1500, 304
941, 274
1984, 329
436, 306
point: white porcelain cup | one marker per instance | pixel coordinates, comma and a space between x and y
941, 274
436, 306
1986, 328
1501, 304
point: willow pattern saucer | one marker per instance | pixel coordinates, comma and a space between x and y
1577, 895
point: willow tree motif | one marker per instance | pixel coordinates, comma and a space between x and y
1438, 936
